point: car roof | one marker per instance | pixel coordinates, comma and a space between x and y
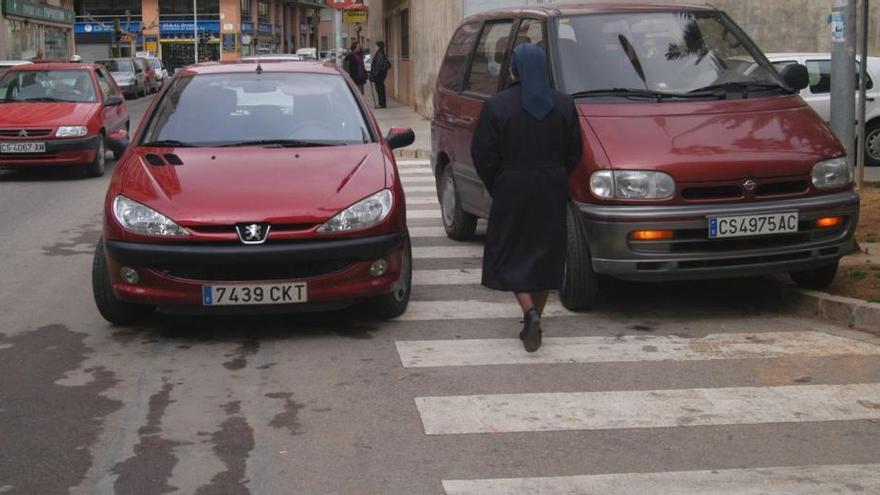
53, 66
243, 67
588, 8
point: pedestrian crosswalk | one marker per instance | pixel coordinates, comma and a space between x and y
459, 413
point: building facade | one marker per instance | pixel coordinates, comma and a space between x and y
34, 30
417, 32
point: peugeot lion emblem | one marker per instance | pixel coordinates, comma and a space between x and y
22, 133
253, 233
750, 185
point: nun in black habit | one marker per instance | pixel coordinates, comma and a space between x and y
526, 142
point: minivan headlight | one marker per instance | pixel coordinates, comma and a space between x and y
834, 173
632, 184
361, 215
71, 131
143, 220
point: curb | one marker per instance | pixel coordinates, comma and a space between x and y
419, 154
837, 310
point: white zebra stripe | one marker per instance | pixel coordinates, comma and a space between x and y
417, 180
508, 413
470, 276
414, 162
422, 200
425, 232
793, 480
436, 353
472, 310
415, 189
413, 171
446, 252
432, 213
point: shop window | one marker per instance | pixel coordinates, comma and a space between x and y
489, 58
263, 11
325, 44
404, 33
455, 63
176, 7
245, 10
108, 7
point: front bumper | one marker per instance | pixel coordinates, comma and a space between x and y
692, 255
172, 275
59, 151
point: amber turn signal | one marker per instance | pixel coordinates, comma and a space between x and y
651, 235
828, 222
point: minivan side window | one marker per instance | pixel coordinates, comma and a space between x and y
452, 71
489, 58
820, 76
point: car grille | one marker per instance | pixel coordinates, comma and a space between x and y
31, 133
727, 192
254, 272
281, 228
697, 241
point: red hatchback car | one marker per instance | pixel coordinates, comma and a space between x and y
60, 114
700, 160
250, 185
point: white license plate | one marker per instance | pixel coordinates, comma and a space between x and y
753, 225
22, 147
246, 295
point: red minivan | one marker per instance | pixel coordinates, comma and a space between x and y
250, 187
696, 164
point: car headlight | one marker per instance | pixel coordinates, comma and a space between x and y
361, 215
632, 184
834, 173
143, 220
71, 131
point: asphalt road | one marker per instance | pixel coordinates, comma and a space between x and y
678, 388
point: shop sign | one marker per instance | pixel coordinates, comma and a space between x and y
105, 27
354, 16
265, 38
186, 27
228, 42
23, 8
247, 27
265, 28
151, 46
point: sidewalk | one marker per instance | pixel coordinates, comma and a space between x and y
403, 116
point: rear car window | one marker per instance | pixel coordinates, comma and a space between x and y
117, 65
454, 65
820, 76
489, 58
229, 109
47, 86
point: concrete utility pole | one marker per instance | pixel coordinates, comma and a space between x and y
843, 73
196, 29
337, 30
863, 89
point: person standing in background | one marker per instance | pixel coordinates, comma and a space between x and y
354, 65
380, 68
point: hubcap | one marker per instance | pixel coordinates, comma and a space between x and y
447, 201
872, 144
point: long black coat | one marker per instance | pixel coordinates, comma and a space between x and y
524, 164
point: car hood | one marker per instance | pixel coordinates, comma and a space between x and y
48, 114
713, 141
225, 186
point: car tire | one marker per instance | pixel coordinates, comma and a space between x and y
113, 310
872, 144
580, 285
817, 278
99, 164
394, 304
459, 224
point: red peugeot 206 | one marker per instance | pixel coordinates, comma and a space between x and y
250, 185
60, 114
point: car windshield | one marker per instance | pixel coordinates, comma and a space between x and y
123, 65
47, 86
664, 52
272, 109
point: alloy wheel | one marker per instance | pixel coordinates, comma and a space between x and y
872, 144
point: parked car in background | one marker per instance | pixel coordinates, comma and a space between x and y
159, 74
695, 165
151, 79
308, 53
273, 57
60, 114
249, 188
818, 93
128, 74
5, 64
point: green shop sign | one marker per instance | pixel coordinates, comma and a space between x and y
23, 8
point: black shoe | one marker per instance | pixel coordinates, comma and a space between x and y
531, 332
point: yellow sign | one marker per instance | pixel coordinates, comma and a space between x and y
354, 16
151, 46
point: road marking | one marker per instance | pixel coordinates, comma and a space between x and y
418, 179
415, 189
445, 252
413, 162
425, 232
432, 213
508, 413
794, 480
472, 310
481, 352
422, 200
470, 276
414, 171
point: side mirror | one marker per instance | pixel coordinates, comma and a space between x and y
796, 76
400, 137
113, 101
118, 141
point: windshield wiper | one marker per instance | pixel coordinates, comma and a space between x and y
41, 99
638, 93
278, 143
169, 143
723, 88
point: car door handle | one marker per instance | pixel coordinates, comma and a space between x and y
870, 98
